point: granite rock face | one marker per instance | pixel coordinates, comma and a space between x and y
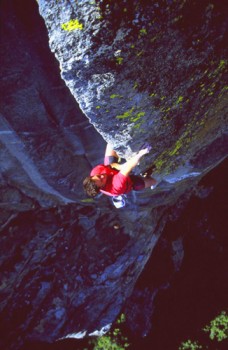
146, 71
140, 72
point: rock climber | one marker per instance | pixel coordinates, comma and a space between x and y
114, 179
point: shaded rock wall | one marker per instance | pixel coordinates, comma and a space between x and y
46, 142
191, 298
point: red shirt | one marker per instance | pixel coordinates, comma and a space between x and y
116, 184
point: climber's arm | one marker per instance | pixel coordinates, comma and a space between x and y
116, 166
111, 157
127, 167
109, 152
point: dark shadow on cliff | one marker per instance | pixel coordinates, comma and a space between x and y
198, 292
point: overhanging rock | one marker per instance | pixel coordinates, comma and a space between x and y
145, 71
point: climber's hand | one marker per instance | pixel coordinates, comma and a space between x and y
146, 149
127, 167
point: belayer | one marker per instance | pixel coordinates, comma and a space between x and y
114, 179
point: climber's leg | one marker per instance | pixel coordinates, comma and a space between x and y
139, 182
149, 181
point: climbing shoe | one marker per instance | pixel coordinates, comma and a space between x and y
118, 201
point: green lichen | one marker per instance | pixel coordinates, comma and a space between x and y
222, 64
141, 114
218, 71
137, 126
73, 24
134, 119
179, 147
98, 107
176, 148
197, 129
132, 116
164, 109
159, 163
115, 96
179, 99
126, 114
100, 18
87, 200
143, 31
119, 60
